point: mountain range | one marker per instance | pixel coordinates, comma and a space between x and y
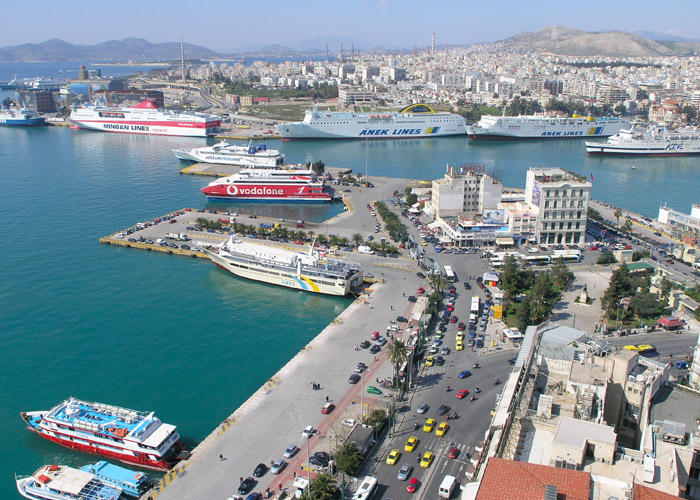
557, 40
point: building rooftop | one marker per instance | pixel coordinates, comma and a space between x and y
642, 492
510, 479
556, 342
575, 433
675, 405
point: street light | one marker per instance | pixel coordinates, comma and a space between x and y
308, 463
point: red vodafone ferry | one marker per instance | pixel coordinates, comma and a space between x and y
145, 118
129, 436
269, 185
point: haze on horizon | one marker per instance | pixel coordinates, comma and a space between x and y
227, 26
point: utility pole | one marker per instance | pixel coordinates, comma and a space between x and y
182, 57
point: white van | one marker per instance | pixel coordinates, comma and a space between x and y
447, 486
365, 249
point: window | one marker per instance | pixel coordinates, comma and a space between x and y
556, 193
546, 204
578, 215
580, 193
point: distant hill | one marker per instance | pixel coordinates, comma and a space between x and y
129, 49
565, 41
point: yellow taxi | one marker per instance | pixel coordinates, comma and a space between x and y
429, 361
411, 444
429, 424
426, 459
459, 346
393, 457
441, 429
424, 243
460, 337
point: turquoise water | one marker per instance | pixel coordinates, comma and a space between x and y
175, 335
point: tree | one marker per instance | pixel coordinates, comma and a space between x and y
398, 354
606, 257
543, 297
618, 288
618, 214
511, 277
560, 273
349, 459
324, 487
640, 254
643, 304
666, 287
523, 313
627, 226
318, 167
594, 214
357, 239
439, 282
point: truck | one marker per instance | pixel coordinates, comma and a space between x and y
447, 486
176, 236
270, 226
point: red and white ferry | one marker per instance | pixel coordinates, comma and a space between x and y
113, 432
145, 118
269, 185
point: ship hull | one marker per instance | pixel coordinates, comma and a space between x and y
146, 128
536, 127
22, 122
605, 150
280, 278
389, 130
263, 192
240, 161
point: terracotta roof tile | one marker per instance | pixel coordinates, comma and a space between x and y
642, 492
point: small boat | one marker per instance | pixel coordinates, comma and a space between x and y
58, 482
131, 483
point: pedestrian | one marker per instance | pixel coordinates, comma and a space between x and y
326, 399
377, 380
404, 294
241, 478
295, 474
279, 486
392, 307
221, 457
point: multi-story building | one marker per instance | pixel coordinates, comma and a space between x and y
350, 96
559, 198
465, 190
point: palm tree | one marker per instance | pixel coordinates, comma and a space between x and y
618, 213
439, 282
324, 487
357, 239
398, 354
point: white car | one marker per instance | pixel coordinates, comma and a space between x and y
349, 422
532, 250
277, 466
119, 235
308, 432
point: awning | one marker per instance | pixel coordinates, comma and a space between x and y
413, 211
671, 322
503, 242
434, 225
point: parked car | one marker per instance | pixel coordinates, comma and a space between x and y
327, 408
291, 451
260, 470
308, 432
682, 365
278, 466
354, 378
246, 485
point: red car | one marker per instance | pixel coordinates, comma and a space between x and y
450, 308
375, 335
461, 327
453, 319
421, 291
298, 242
462, 394
453, 452
327, 408
412, 485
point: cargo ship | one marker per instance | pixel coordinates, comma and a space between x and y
113, 432
415, 121
651, 141
544, 127
58, 482
224, 153
288, 184
20, 118
310, 271
145, 118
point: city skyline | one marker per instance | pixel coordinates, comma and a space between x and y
376, 23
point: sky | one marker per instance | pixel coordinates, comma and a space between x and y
228, 25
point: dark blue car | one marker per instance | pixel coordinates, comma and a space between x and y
464, 374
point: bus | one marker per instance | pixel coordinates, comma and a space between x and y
496, 263
476, 306
539, 260
449, 274
367, 488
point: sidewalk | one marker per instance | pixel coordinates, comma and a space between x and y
581, 316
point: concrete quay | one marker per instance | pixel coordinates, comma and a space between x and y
275, 415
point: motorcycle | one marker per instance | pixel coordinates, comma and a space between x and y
473, 398
477, 390
498, 381
476, 365
448, 389
416, 426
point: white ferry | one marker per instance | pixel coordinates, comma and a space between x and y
309, 271
544, 127
652, 141
110, 431
20, 117
57, 482
145, 118
225, 153
417, 120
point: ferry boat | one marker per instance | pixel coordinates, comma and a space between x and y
309, 271
129, 436
58, 482
132, 483
544, 127
145, 118
650, 141
229, 154
20, 117
417, 120
287, 184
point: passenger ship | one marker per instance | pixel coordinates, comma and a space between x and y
145, 118
20, 118
110, 431
654, 141
309, 271
58, 482
544, 127
269, 185
229, 154
417, 120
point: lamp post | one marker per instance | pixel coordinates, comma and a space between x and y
308, 463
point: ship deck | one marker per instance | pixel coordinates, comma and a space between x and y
99, 417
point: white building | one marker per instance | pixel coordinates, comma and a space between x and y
465, 190
560, 200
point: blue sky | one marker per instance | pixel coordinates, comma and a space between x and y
227, 25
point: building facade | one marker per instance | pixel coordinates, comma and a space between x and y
465, 190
